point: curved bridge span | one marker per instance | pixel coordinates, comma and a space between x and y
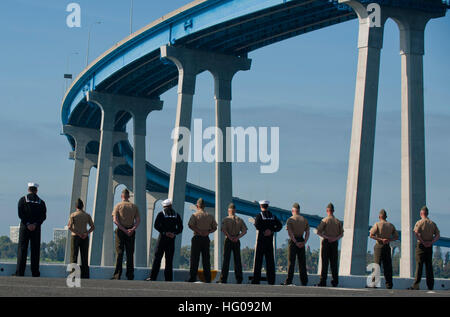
135, 68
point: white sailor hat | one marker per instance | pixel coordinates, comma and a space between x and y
264, 202
167, 202
31, 184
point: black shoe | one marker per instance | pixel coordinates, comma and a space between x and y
254, 282
191, 281
321, 285
412, 288
239, 282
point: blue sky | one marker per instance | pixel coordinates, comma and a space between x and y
304, 85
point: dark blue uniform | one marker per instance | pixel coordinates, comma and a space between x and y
264, 246
32, 210
166, 221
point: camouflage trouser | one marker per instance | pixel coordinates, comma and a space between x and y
424, 256
299, 253
124, 244
382, 256
200, 246
329, 257
229, 247
81, 246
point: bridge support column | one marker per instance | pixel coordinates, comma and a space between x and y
359, 179
140, 111
188, 69
413, 182
76, 189
82, 137
223, 67
319, 263
87, 166
152, 198
223, 70
108, 233
108, 238
103, 177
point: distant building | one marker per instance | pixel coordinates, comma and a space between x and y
14, 234
59, 233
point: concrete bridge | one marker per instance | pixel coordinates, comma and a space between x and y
125, 83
